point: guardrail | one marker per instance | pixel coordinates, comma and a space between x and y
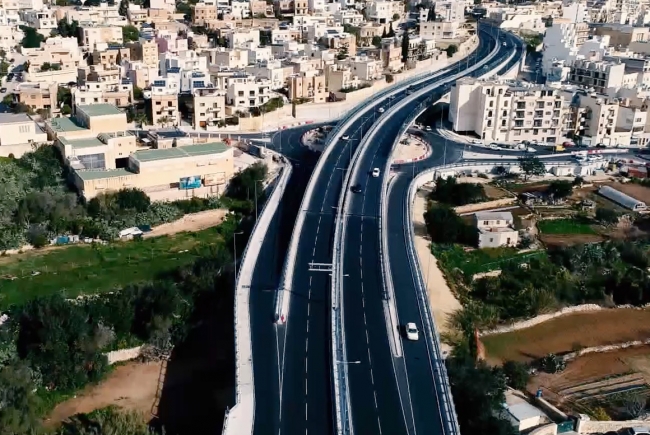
282, 297
240, 418
447, 413
341, 399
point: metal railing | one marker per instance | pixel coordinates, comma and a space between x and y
239, 420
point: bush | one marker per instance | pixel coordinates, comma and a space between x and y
449, 191
445, 226
606, 216
552, 363
390, 78
517, 375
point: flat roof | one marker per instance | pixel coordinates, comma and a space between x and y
82, 143
14, 118
62, 125
97, 175
99, 109
180, 152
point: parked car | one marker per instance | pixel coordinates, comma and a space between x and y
381, 110
375, 172
477, 141
412, 332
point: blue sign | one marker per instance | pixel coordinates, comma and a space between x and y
192, 182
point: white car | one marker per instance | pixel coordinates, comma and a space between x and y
494, 146
346, 137
412, 332
375, 172
381, 110
428, 128
477, 142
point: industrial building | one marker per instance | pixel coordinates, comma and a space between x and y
622, 199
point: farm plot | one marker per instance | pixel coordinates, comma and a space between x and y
562, 232
568, 333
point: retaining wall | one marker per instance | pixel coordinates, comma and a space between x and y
470, 208
549, 429
587, 426
123, 354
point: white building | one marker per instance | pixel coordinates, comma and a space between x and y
504, 112
246, 91
241, 9
496, 229
18, 134
44, 21
450, 10
382, 12
169, 5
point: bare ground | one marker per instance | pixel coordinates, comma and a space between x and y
441, 299
569, 239
131, 386
190, 222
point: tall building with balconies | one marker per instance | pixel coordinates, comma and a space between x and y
501, 111
209, 107
603, 76
246, 91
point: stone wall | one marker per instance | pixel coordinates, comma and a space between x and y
587, 426
470, 208
123, 355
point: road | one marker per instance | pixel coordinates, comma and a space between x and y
389, 395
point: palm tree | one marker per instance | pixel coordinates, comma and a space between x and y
163, 121
141, 119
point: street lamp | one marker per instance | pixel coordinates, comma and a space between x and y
234, 246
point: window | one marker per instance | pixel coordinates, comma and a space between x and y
498, 222
491, 239
489, 124
486, 222
491, 103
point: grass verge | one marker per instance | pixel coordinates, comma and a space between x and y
88, 269
564, 226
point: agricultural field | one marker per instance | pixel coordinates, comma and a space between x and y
565, 226
473, 261
569, 333
493, 192
87, 269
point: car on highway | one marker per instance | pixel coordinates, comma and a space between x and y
381, 110
346, 137
412, 332
409, 91
356, 188
504, 44
494, 146
477, 141
375, 172
427, 128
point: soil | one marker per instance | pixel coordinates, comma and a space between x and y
130, 386
636, 191
190, 222
569, 239
493, 192
566, 333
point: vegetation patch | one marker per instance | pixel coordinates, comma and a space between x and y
474, 261
450, 192
565, 226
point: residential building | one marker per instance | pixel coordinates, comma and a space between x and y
91, 35
450, 10
139, 74
137, 14
309, 87
204, 12
507, 112
260, 8
10, 36
109, 58
224, 58
168, 5
44, 21
382, 11
240, 9
119, 94
18, 134
245, 91
243, 38
145, 51
439, 30
37, 96
339, 78
603, 76
365, 68
104, 14
562, 42
495, 229
600, 115
301, 7
622, 35
162, 102
209, 107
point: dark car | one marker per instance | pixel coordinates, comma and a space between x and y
10, 76
356, 188
3, 90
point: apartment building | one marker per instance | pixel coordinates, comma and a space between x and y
137, 14
18, 134
245, 91
311, 87
604, 77
92, 35
450, 10
243, 38
274, 71
44, 21
349, 16
382, 11
391, 57
37, 95
209, 107
224, 58
118, 94
145, 51
139, 74
162, 102
600, 114
562, 42
110, 57
10, 36
167, 5
171, 42
340, 78
622, 35
300, 7
240, 9
17, 5
439, 30
103, 14
505, 112
158, 16
184, 61
204, 12
365, 68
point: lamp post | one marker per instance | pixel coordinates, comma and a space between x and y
234, 247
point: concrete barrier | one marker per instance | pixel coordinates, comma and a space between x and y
589, 426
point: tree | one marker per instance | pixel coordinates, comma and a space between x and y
445, 226
633, 403
3, 54
124, 7
384, 34
106, 421
560, 189
606, 216
130, 33
133, 199
390, 78
163, 121
66, 29
243, 185
118, 58
531, 165
31, 38
391, 32
19, 410
395, 17
376, 41
451, 50
450, 191
432, 13
138, 93
552, 363
405, 47
517, 375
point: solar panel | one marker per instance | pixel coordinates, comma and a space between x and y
159, 83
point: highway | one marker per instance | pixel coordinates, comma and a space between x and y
389, 395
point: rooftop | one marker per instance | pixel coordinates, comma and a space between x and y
14, 118
82, 143
180, 152
493, 215
99, 109
62, 125
96, 175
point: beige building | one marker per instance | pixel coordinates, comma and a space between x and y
600, 115
118, 94
604, 77
621, 35
37, 95
310, 86
209, 107
109, 57
203, 13
93, 35
246, 91
503, 112
18, 134
141, 75
163, 109
260, 7
340, 78
137, 15
185, 171
144, 51
300, 7
100, 118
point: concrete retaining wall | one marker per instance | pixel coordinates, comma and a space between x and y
549, 429
550, 410
586, 426
123, 355
470, 208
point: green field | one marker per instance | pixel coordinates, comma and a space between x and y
478, 260
565, 226
87, 269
